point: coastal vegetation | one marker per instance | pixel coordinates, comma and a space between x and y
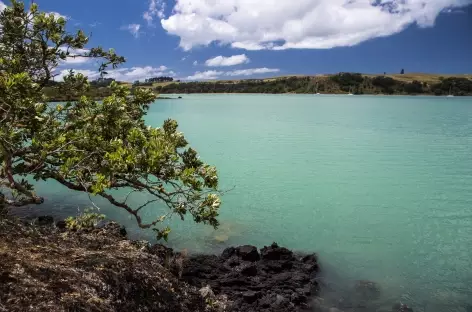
332, 84
356, 83
97, 147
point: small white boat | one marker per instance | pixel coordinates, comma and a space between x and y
450, 93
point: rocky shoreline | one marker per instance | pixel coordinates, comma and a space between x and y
272, 280
45, 267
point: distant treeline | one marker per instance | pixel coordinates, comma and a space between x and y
150, 81
340, 83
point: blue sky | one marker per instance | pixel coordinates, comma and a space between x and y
226, 39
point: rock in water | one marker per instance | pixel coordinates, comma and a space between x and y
280, 281
228, 252
274, 252
220, 238
248, 253
367, 290
400, 307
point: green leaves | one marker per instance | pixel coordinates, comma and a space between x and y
86, 220
162, 234
88, 145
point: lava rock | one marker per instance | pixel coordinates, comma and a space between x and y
44, 221
206, 292
400, 307
228, 253
278, 282
250, 296
61, 225
248, 253
367, 290
123, 231
274, 252
249, 270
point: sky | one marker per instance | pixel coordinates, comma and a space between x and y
229, 39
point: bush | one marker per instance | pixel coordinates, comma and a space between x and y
86, 220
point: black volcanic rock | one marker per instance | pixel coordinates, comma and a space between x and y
273, 280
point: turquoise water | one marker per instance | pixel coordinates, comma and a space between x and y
380, 187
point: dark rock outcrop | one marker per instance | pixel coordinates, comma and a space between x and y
274, 280
400, 307
44, 221
248, 253
367, 290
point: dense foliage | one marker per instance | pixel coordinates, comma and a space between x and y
159, 79
454, 86
90, 146
340, 83
347, 81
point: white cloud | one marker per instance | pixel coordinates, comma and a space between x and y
195, 63
3, 6
123, 74
227, 61
213, 74
300, 24
57, 15
156, 9
252, 71
91, 74
206, 75
133, 29
75, 58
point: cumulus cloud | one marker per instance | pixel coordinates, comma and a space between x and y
91, 74
57, 15
133, 29
156, 9
206, 75
300, 24
227, 61
213, 74
3, 6
122, 74
195, 63
252, 71
74, 56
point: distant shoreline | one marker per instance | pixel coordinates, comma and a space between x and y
339, 84
291, 93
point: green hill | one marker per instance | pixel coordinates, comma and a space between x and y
356, 83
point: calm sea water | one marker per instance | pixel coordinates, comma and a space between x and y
380, 187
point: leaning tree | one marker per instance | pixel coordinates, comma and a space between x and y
86, 145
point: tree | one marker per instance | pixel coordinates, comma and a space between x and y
85, 145
402, 72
